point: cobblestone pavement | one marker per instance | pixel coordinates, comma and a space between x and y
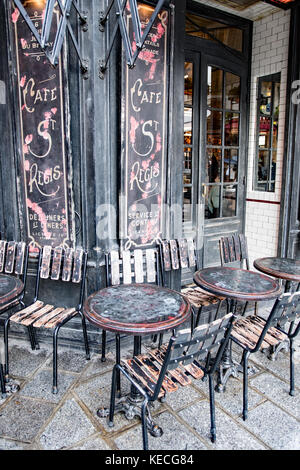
35, 419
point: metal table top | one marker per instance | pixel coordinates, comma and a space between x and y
10, 288
282, 268
136, 309
238, 284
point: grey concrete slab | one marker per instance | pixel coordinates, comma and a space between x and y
277, 391
183, 397
69, 426
40, 386
280, 366
230, 436
6, 444
94, 443
22, 418
96, 366
69, 360
275, 427
175, 436
23, 361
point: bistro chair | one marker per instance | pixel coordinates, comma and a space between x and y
234, 251
164, 370
179, 254
254, 333
54, 264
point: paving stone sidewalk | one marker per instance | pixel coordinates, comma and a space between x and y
35, 419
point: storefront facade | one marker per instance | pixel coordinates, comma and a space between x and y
200, 138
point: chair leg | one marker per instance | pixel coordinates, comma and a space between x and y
6, 366
103, 357
144, 424
212, 409
55, 335
118, 361
113, 397
85, 337
292, 369
160, 341
245, 385
2, 382
198, 316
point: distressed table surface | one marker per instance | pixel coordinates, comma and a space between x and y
282, 268
236, 283
10, 288
136, 309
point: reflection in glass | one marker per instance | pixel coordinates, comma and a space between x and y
230, 165
213, 164
229, 201
214, 87
212, 201
214, 127
212, 30
188, 83
264, 132
232, 91
263, 165
232, 129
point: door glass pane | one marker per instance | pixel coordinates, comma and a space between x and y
231, 165
232, 129
188, 142
188, 83
214, 87
229, 201
212, 201
212, 30
213, 164
214, 127
264, 132
263, 165
232, 91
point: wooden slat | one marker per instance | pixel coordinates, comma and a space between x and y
176, 374
2, 254
141, 375
115, 268
10, 257
174, 254
150, 265
225, 250
166, 255
237, 247
191, 252
45, 318
154, 369
194, 370
138, 266
16, 317
244, 248
56, 263
35, 315
197, 297
231, 249
67, 265
183, 253
67, 313
127, 275
20, 258
46, 259
77, 268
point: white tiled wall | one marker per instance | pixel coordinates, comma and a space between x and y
270, 55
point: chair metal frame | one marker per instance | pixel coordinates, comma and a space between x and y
55, 272
285, 310
183, 348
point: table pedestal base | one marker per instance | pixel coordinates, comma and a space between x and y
131, 407
275, 350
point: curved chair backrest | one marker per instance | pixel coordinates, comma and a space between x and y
13, 257
234, 249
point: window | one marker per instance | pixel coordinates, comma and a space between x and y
267, 132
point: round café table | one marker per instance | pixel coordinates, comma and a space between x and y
138, 310
287, 269
11, 288
237, 285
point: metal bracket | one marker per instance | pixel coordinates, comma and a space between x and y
120, 26
63, 26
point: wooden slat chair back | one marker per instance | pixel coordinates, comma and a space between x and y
234, 250
127, 267
179, 254
54, 264
254, 333
164, 370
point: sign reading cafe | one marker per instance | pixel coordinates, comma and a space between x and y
42, 133
144, 134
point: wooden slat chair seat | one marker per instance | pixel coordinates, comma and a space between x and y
254, 333
67, 265
180, 254
127, 267
174, 364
